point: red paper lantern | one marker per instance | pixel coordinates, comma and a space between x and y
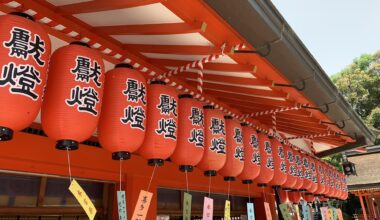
24, 52
327, 180
298, 159
267, 164
314, 176
161, 130
251, 155
307, 183
323, 198
294, 197
337, 184
284, 196
309, 197
235, 152
280, 175
214, 156
291, 179
73, 97
332, 183
190, 146
321, 179
344, 187
122, 121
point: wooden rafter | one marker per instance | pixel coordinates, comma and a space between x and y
229, 79
238, 89
152, 29
102, 5
174, 49
227, 67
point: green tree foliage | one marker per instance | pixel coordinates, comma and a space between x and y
359, 83
335, 160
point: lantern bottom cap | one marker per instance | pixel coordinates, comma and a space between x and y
229, 178
276, 186
121, 155
6, 134
156, 162
186, 168
210, 173
287, 189
319, 195
67, 145
303, 190
262, 184
247, 181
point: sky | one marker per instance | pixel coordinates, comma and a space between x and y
334, 31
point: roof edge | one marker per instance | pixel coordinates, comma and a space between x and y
291, 44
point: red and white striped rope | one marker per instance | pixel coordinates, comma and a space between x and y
274, 125
312, 146
197, 63
272, 111
200, 79
311, 136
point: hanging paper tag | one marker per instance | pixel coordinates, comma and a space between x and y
267, 211
339, 213
325, 213
250, 211
311, 212
83, 199
227, 210
208, 208
121, 206
284, 208
305, 211
142, 205
335, 214
187, 206
297, 212
331, 214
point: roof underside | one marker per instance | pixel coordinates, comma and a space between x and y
157, 36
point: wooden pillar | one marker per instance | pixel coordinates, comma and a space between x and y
363, 206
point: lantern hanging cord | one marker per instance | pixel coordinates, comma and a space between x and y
187, 182
209, 186
120, 170
228, 190
69, 163
151, 177
249, 194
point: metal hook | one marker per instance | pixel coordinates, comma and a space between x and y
303, 86
336, 124
327, 108
257, 51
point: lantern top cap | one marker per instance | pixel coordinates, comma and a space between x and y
183, 96
124, 65
158, 82
80, 43
228, 117
208, 107
21, 14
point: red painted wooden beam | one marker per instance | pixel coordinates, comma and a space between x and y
174, 49
153, 29
102, 5
227, 79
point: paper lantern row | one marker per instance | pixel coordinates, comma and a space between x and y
134, 117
